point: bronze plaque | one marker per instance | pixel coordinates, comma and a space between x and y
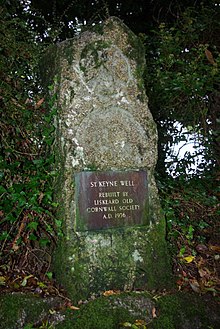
111, 199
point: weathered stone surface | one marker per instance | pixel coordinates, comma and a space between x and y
173, 310
104, 124
20, 309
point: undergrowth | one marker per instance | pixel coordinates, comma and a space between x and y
193, 230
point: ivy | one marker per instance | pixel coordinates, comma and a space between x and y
26, 164
182, 82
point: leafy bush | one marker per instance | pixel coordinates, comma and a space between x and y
26, 131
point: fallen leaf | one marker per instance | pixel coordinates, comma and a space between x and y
195, 285
39, 103
179, 283
189, 259
215, 248
15, 247
28, 101
139, 322
210, 57
154, 315
204, 272
111, 292
40, 197
73, 307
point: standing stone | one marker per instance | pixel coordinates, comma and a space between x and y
106, 151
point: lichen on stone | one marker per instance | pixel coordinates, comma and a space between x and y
104, 124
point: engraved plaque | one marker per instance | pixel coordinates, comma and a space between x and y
111, 199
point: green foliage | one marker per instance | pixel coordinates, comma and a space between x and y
190, 207
182, 82
182, 59
182, 74
192, 213
26, 175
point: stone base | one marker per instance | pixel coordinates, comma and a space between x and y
128, 310
122, 259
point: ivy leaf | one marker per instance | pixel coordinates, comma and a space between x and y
44, 242
2, 189
33, 225
49, 275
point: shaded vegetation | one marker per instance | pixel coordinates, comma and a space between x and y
191, 210
183, 69
27, 225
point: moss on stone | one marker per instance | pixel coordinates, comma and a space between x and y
93, 48
157, 260
97, 28
93, 52
135, 50
98, 314
130, 257
109, 312
186, 311
114, 259
176, 310
19, 309
68, 50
